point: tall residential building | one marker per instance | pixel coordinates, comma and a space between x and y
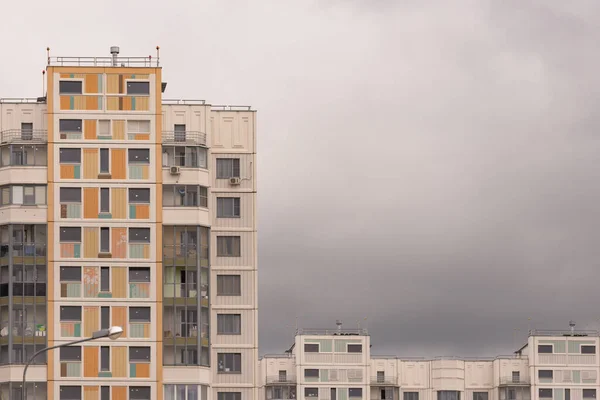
119, 208
338, 365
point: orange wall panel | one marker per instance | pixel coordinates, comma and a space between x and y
119, 318
91, 320
119, 203
119, 242
90, 361
119, 392
119, 163
119, 362
119, 282
90, 203
89, 129
91, 245
118, 132
90, 393
67, 172
90, 164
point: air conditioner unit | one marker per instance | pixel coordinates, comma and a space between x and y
175, 170
235, 181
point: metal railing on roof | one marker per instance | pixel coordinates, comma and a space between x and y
103, 61
182, 138
333, 332
24, 136
544, 332
27, 100
513, 380
183, 102
280, 355
231, 108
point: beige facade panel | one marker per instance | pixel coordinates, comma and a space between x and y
246, 211
247, 325
246, 256
232, 130
12, 115
247, 170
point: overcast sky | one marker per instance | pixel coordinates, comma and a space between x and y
430, 165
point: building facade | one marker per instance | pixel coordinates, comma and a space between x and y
119, 208
337, 365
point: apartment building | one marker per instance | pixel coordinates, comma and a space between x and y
120, 208
337, 365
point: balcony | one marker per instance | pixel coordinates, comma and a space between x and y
280, 380
182, 138
514, 381
24, 136
384, 381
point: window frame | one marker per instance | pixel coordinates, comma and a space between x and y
68, 92
132, 151
138, 190
229, 395
235, 245
221, 207
106, 152
72, 388
231, 170
545, 347
145, 349
545, 374
355, 390
129, 83
61, 319
70, 268
72, 190
74, 357
135, 309
71, 150
71, 229
222, 286
104, 249
102, 288
311, 373
101, 203
130, 236
131, 269
311, 392
104, 367
354, 345
234, 358
545, 391
588, 390
309, 345
236, 322
102, 316
588, 346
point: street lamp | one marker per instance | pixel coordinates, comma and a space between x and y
112, 333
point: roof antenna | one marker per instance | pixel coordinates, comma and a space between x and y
572, 325
339, 326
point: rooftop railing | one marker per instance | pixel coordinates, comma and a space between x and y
280, 355
231, 108
193, 138
543, 332
24, 135
333, 332
513, 380
103, 61
183, 102
22, 100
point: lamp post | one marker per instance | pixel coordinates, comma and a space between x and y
113, 333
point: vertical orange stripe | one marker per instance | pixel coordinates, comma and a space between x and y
90, 361
158, 244
50, 323
89, 129
118, 164
90, 203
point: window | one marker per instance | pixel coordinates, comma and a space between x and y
139, 274
567, 394
516, 376
105, 393
139, 235
138, 126
104, 200
70, 234
70, 313
311, 373
545, 348
104, 240
355, 348
139, 393
228, 168
229, 285
104, 358
411, 395
545, 393
136, 87
229, 362
311, 347
139, 354
139, 314
70, 393
70, 125
184, 156
311, 392
70, 353
70, 274
545, 374
104, 128
228, 207
104, 161
70, 87
448, 395
104, 278
229, 324
480, 395
70, 156
586, 349
228, 246
589, 393
355, 392
138, 156
104, 317
229, 396
70, 195
185, 196
139, 195
23, 195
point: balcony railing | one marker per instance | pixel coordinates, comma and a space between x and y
384, 380
541, 332
193, 138
231, 108
514, 381
281, 380
24, 136
183, 102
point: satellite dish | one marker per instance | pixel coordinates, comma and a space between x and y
182, 191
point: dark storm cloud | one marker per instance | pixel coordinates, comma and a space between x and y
431, 166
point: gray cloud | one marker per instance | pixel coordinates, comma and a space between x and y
429, 165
